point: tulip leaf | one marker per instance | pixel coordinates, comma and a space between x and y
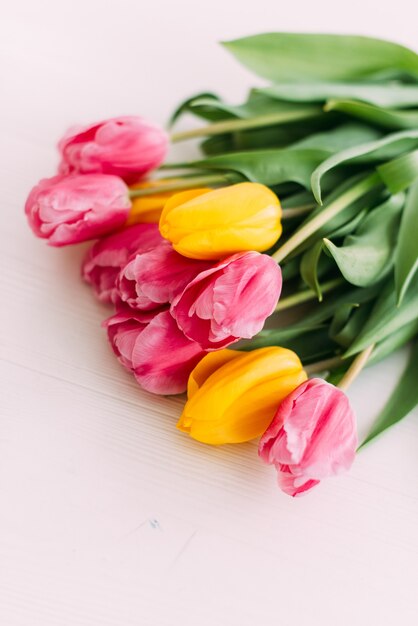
386, 317
347, 323
391, 94
310, 259
394, 341
344, 136
294, 57
345, 220
256, 104
210, 113
367, 255
269, 167
406, 255
400, 173
331, 304
386, 118
370, 152
277, 336
309, 268
310, 343
402, 401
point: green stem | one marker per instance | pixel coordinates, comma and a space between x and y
335, 207
306, 295
179, 185
323, 366
297, 211
355, 368
230, 126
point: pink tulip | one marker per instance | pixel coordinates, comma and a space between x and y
70, 209
128, 147
154, 278
154, 349
312, 436
229, 301
107, 256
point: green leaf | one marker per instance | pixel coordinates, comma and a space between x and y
369, 152
256, 104
347, 322
309, 268
402, 401
345, 219
367, 255
391, 94
406, 255
400, 173
269, 167
310, 259
310, 344
294, 57
394, 341
386, 317
277, 336
210, 112
344, 136
386, 118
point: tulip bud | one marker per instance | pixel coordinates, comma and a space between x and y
312, 436
70, 209
128, 147
110, 254
232, 395
154, 278
229, 301
154, 349
212, 224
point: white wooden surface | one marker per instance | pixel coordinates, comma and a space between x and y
109, 516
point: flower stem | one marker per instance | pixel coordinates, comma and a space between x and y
335, 207
297, 211
229, 126
355, 368
322, 366
179, 185
306, 295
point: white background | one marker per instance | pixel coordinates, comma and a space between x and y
109, 515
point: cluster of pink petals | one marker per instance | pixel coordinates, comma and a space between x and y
128, 147
153, 347
71, 209
229, 301
312, 436
154, 278
109, 255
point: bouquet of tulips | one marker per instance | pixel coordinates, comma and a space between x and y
312, 183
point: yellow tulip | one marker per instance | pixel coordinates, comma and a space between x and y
211, 224
233, 396
148, 209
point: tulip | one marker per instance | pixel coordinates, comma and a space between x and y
148, 209
312, 436
70, 209
229, 301
154, 278
128, 147
154, 349
110, 254
212, 224
232, 395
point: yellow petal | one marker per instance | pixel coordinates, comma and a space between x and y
176, 200
207, 366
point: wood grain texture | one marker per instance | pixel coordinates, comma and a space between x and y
109, 515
